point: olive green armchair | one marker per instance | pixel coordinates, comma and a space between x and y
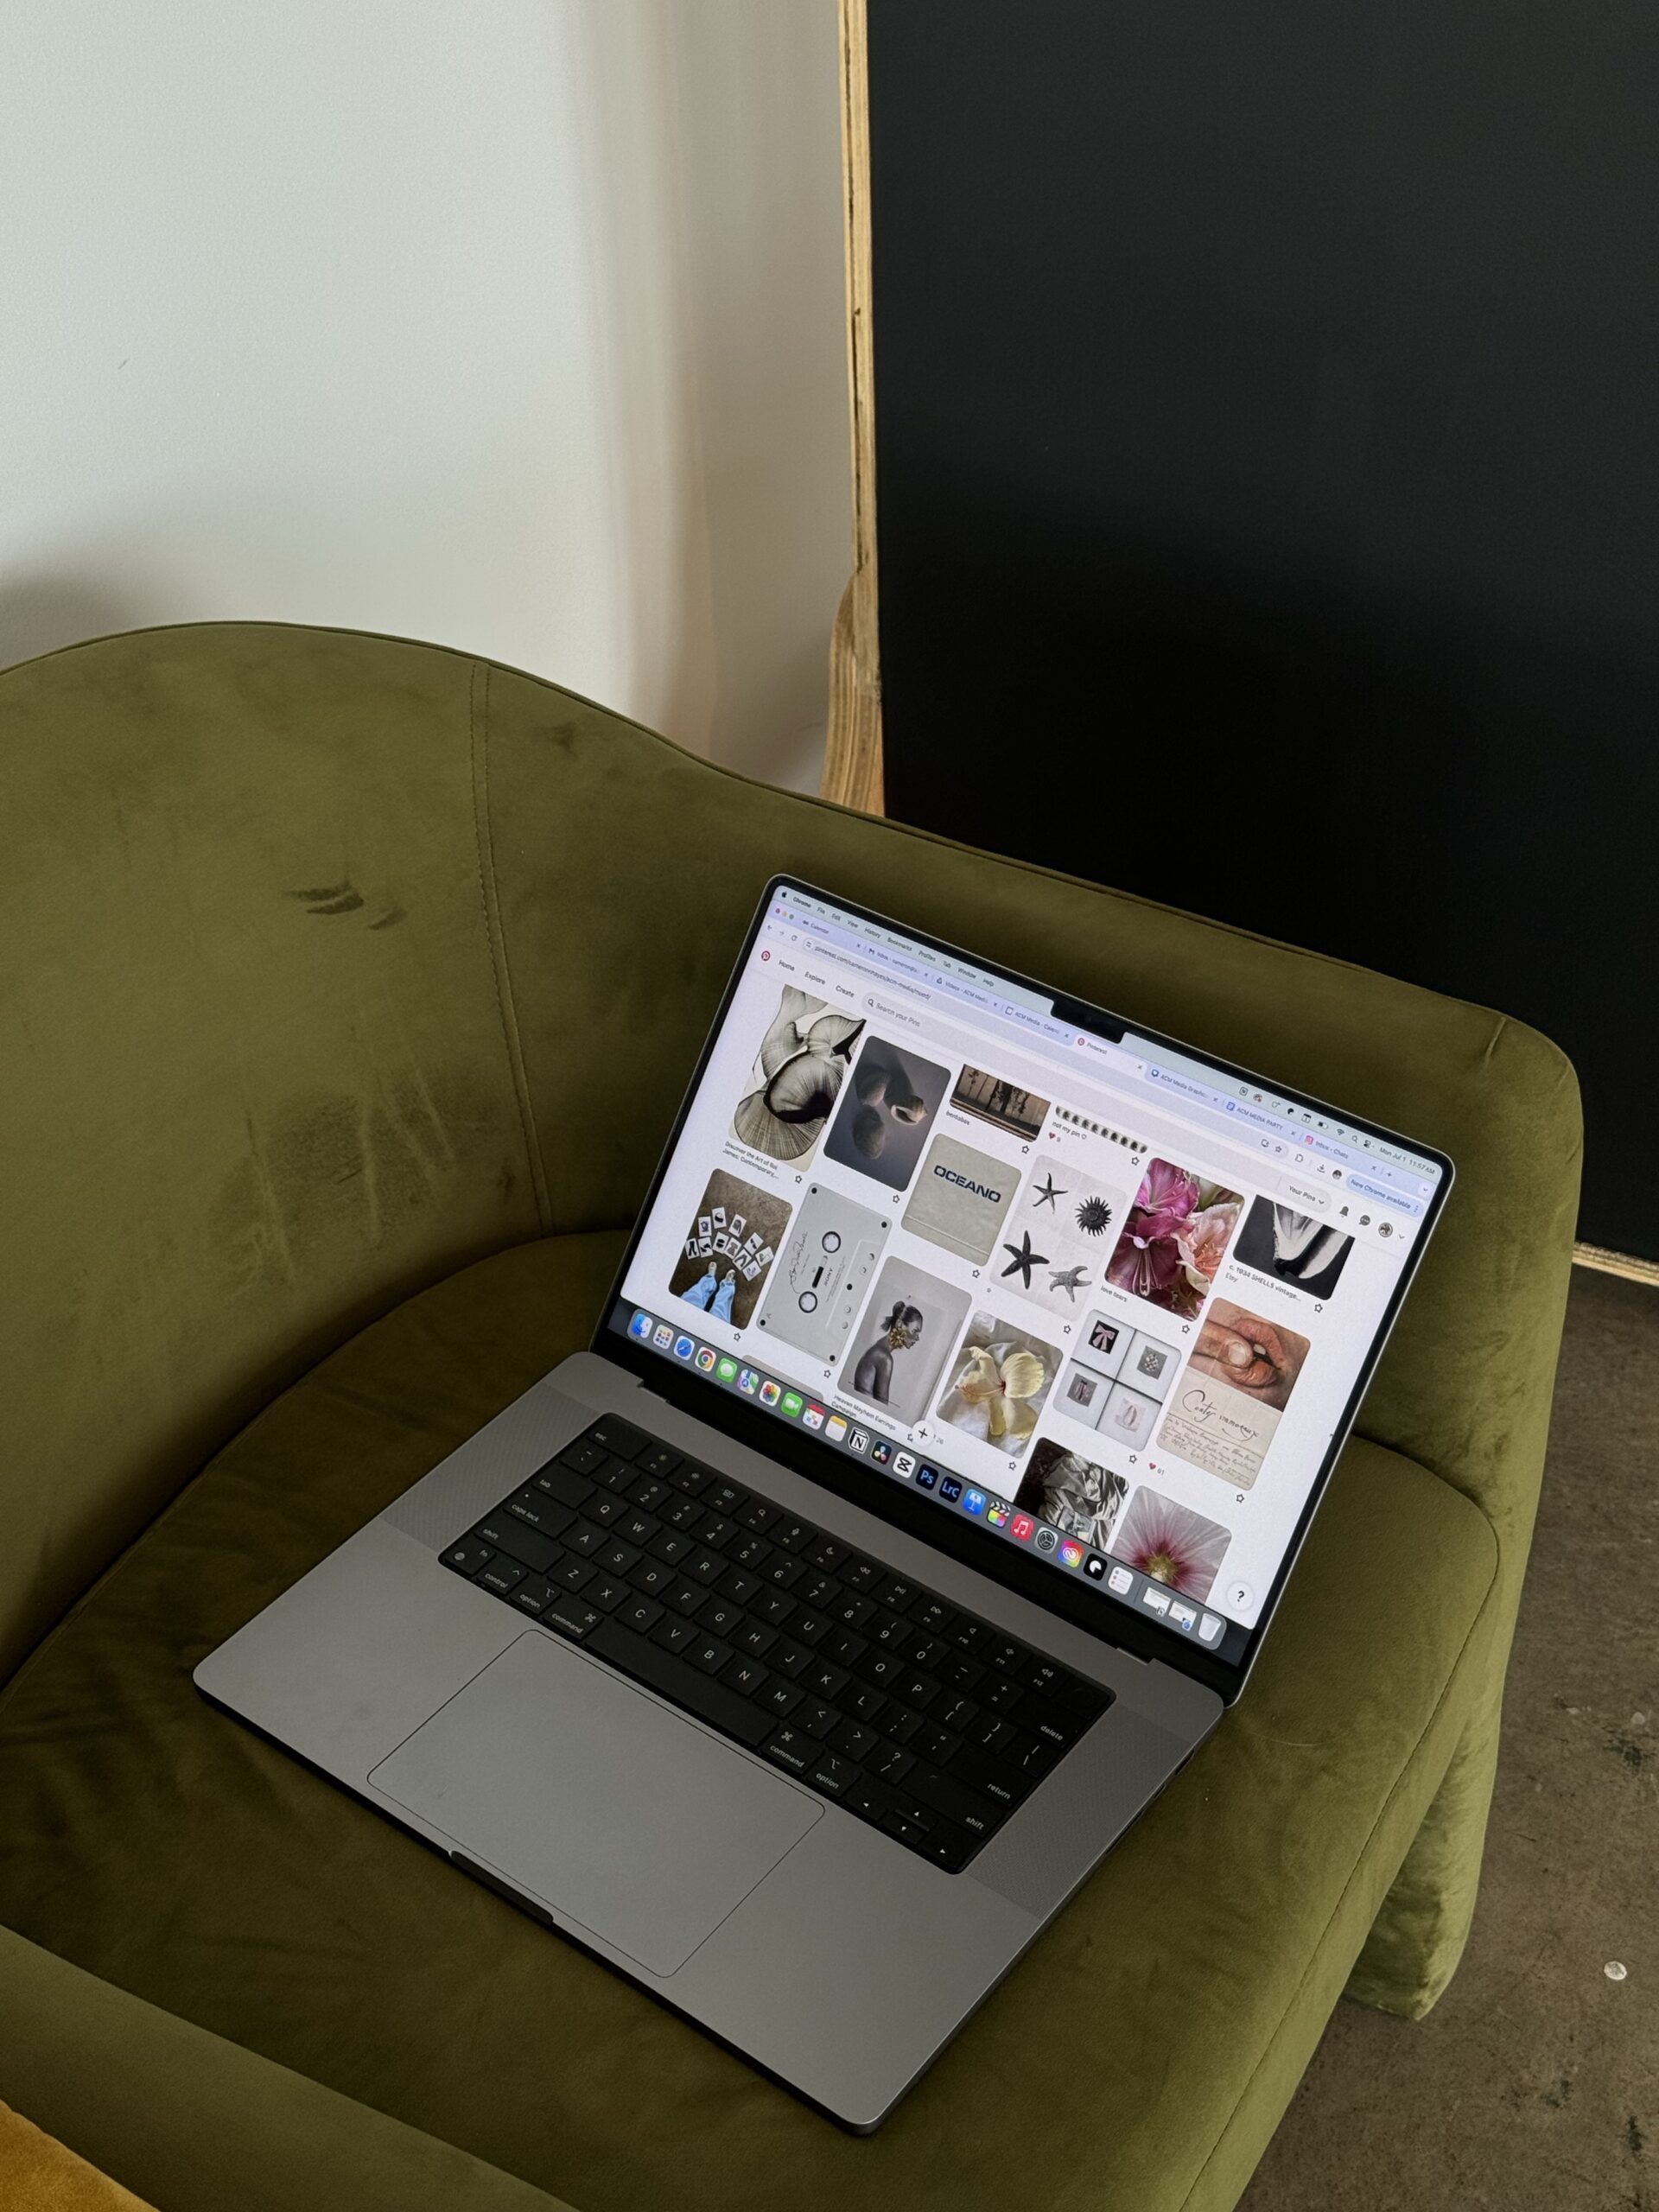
348, 987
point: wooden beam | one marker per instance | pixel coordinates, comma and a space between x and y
1617, 1263
853, 772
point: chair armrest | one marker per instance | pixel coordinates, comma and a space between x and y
189, 2121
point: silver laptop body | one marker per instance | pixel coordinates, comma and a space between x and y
728, 1873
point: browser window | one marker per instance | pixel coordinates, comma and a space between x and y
1095, 1293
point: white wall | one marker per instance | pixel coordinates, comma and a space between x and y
513, 324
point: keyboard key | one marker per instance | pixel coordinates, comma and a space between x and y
469, 1555
614, 1475
890, 1632
818, 1591
744, 1674
642, 1615
750, 1551
810, 1628
709, 1653
571, 1617
826, 1680
617, 1555
585, 1539
898, 1596
706, 1567
853, 1742
619, 1436
844, 1647
715, 1531
902, 1826
991, 1732
932, 1615
534, 1593
692, 1478
926, 1651
649, 1495
919, 1690
686, 1597
683, 1513
681, 1681
946, 1847
581, 1457
962, 1673
608, 1508
673, 1633
866, 1705
759, 1515
938, 1745
559, 1481
884, 1668
657, 1460
719, 1616
528, 1546
502, 1575
792, 1658
1003, 1694
782, 1571
780, 1697
1054, 1723
818, 1719
1085, 1698
653, 1578
861, 1575
869, 1799
955, 1713
990, 1777
792, 1535
738, 1586
1012, 1658
607, 1591
890, 1763
832, 1774
572, 1574
968, 1636
900, 1724
1044, 1676
827, 1554
537, 1511
772, 1606
671, 1545
790, 1748
756, 1639
726, 1497
637, 1528
944, 1794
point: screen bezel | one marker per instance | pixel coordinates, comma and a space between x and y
892, 1500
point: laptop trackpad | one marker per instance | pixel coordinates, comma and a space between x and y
582, 1791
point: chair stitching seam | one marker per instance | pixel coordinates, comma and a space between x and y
501, 975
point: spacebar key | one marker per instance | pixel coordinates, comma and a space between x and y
680, 1682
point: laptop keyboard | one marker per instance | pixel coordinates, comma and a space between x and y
867, 1688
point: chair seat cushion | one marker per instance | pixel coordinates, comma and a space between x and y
1126, 2063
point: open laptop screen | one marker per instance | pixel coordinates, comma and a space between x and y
1109, 1301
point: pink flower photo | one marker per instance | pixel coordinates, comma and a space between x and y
1174, 1239
1171, 1544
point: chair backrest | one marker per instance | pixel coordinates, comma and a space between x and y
329, 963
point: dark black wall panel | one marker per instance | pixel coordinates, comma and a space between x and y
1266, 437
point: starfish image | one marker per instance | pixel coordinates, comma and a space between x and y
1022, 1260
1069, 1280
1047, 1192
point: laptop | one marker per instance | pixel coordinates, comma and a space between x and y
920, 1505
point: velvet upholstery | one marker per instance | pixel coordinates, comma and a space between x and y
329, 964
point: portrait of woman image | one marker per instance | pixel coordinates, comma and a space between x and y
873, 1376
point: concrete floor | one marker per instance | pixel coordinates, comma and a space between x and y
1535, 2082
